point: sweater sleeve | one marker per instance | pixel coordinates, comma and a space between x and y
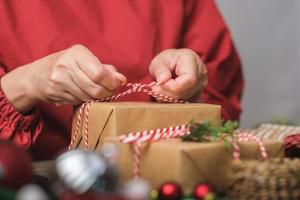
207, 34
22, 130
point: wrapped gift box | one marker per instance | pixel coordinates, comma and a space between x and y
187, 163
113, 119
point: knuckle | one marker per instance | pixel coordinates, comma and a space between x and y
157, 59
98, 75
187, 52
54, 78
77, 48
111, 67
96, 93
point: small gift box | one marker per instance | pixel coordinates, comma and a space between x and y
96, 121
187, 163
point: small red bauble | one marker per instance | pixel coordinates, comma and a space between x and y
15, 166
170, 191
201, 191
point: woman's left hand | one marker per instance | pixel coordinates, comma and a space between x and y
181, 73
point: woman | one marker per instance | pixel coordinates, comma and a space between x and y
66, 52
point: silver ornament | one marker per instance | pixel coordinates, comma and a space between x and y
137, 189
31, 192
79, 170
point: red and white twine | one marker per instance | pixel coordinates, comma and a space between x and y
132, 88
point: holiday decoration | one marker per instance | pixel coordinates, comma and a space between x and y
93, 123
15, 166
201, 132
31, 192
136, 189
170, 191
292, 146
187, 163
80, 170
203, 192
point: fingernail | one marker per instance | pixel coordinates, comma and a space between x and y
161, 78
121, 77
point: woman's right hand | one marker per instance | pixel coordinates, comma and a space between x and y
70, 76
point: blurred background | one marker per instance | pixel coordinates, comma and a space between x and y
267, 36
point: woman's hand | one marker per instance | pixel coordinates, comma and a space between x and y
181, 73
70, 76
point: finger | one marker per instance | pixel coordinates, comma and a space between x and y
181, 83
112, 69
187, 75
94, 69
64, 82
76, 91
164, 92
87, 86
160, 70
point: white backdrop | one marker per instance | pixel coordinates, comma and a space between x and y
267, 35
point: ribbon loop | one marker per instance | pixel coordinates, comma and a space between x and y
247, 137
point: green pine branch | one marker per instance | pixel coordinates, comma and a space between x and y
205, 131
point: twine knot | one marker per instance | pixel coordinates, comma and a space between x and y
137, 87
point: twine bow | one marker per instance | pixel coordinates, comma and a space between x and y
132, 88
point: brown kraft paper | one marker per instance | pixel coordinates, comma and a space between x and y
187, 163
113, 119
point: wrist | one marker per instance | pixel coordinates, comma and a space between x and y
18, 90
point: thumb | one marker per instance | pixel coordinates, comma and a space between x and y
160, 71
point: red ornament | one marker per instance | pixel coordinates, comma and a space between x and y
201, 191
292, 145
170, 191
15, 165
